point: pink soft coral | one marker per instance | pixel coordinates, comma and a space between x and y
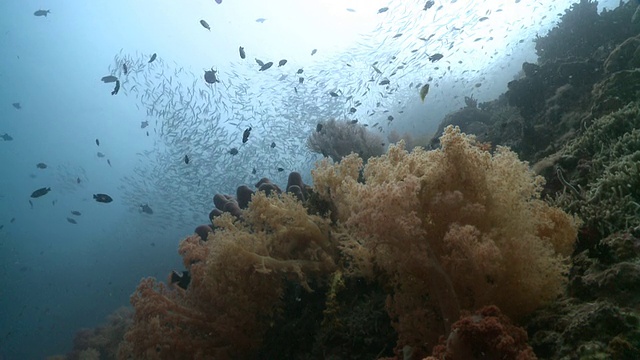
487, 334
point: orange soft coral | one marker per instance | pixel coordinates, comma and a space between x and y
449, 229
237, 281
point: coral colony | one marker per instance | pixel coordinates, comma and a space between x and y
440, 232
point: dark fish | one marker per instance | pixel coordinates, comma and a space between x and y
259, 62
73, 221
103, 198
261, 20
353, 110
6, 137
353, 122
76, 212
424, 91
282, 62
333, 94
100, 155
186, 159
109, 79
210, 76
435, 57
218, 1
300, 71
182, 280
245, 134
318, 127
233, 151
117, 88
125, 69
381, 10
384, 82
242, 53
98, 142
153, 58
314, 51
40, 192
273, 144
483, 18
144, 124
397, 35
12, 220
390, 118
300, 80
78, 180
147, 133
205, 25
146, 209
31, 204
280, 169
266, 66
42, 13
41, 165
109, 162
17, 105
428, 5
254, 171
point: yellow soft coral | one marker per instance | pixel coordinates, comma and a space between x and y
449, 229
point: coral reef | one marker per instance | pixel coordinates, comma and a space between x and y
604, 164
237, 283
456, 228
600, 320
486, 334
103, 341
425, 235
469, 119
384, 253
337, 139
